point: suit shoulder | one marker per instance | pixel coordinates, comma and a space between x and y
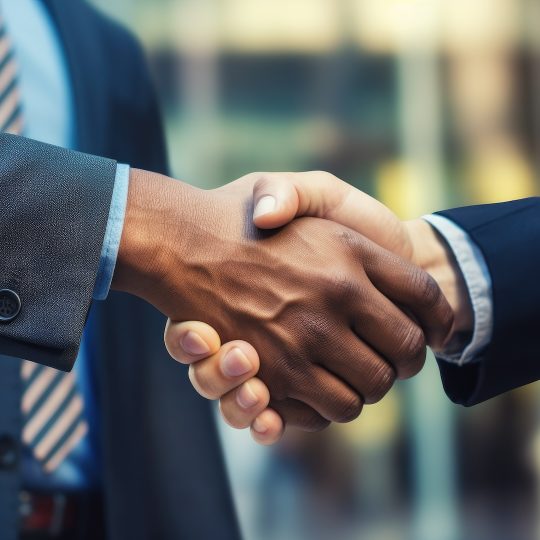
118, 42
122, 59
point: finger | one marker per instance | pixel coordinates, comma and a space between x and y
280, 197
267, 428
297, 414
275, 200
416, 291
233, 364
391, 333
241, 406
368, 373
329, 396
188, 342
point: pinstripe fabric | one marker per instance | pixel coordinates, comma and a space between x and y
10, 103
53, 413
52, 407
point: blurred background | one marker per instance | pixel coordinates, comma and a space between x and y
425, 104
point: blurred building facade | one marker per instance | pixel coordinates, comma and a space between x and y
424, 104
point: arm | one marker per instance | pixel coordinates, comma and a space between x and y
508, 235
193, 253
56, 206
477, 270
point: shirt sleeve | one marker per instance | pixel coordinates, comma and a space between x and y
478, 281
113, 233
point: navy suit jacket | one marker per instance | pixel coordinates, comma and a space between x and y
163, 471
508, 235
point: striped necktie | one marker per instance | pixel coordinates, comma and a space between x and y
11, 119
52, 407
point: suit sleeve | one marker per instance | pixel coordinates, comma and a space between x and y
508, 235
55, 208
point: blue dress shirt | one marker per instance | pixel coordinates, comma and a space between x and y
49, 117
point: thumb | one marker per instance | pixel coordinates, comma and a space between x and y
276, 201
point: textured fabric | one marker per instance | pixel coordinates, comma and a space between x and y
113, 233
48, 113
53, 412
10, 429
508, 235
55, 281
478, 281
47, 100
10, 102
10, 105
52, 406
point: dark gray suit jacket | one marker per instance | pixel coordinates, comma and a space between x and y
162, 467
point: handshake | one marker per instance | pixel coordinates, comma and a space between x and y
320, 294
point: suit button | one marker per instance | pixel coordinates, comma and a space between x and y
8, 452
10, 305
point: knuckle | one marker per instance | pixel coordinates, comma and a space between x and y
324, 176
414, 367
350, 409
348, 238
413, 344
264, 180
355, 242
299, 415
314, 329
341, 286
429, 291
412, 355
314, 423
290, 377
382, 381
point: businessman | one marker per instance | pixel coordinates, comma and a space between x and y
484, 258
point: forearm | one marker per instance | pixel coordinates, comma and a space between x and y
152, 253
150, 195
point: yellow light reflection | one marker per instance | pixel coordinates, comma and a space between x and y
309, 26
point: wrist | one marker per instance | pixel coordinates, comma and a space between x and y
432, 253
142, 255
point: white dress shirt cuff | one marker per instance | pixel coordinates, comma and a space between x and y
113, 233
478, 280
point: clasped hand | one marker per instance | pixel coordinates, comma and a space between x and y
327, 317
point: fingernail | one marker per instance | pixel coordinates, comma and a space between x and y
259, 426
246, 397
236, 363
265, 205
194, 344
